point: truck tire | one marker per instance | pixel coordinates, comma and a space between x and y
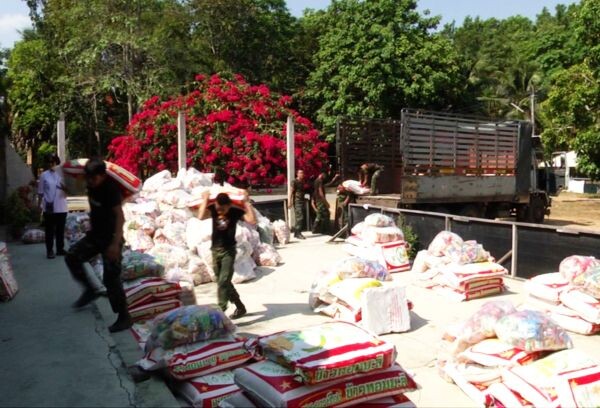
536, 210
472, 210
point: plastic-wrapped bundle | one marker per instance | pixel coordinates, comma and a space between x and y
199, 270
136, 264
173, 215
243, 269
247, 233
482, 323
141, 222
469, 252
149, 208
358, 228
187, 325
267, 255
179, 275
197, 231
355, 267
192, 179
531, 330
137, 240
33, 236
8, 283
76, 226
443, 241
282, 232
169, 256
573, 266
318, 292
264, 228
171, 185
176, 234
589, 282
374, 235
177, 198
379, 220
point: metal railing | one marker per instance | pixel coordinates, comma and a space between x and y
525, 249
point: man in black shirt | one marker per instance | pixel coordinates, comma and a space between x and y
105, 237
224, 222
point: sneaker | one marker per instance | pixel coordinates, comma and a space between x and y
299, 235
239, 312
85, 298
50, 255
120, 325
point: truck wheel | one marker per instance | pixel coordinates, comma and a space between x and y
536, 210
472, 210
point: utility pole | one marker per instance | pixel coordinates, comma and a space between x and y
532, 110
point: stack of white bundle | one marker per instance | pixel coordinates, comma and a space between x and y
162, 222
460, 270
378, 239
570, 295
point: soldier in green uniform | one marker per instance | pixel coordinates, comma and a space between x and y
344, 198
296, 200
369, 176
321, 206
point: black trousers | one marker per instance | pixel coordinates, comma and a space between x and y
54, 224
84, 250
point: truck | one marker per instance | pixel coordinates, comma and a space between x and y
442, 162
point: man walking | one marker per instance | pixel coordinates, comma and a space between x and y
105, 237
296, 200
224, 222
321, 206
51, 190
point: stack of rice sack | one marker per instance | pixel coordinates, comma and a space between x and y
162, 222
572, 295
333, 364
358, 290
459, 270
504, 357
379, 239
8, 283
195, 347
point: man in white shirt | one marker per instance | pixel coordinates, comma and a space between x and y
53, 196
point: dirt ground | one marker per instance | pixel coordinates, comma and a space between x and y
580, 211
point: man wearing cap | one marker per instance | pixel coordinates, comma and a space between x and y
106, 238
224, 222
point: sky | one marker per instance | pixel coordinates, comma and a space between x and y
14, 14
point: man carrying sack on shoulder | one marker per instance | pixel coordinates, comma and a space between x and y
225, 217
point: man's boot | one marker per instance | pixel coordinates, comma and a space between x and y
123, 322
299, 235
240, 310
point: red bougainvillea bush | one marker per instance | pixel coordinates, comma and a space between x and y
231, 126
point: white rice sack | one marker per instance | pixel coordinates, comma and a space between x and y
243, 269
197, 231
177, 274
355, 187
148, 208
141, 222
173, 184
177, 198
174, 215
379, 220
267, 255
176, 234
282, 232
156, 181
194, 178
358, 228
169, 256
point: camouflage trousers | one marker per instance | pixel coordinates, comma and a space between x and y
299, 215
321, 224
223, 266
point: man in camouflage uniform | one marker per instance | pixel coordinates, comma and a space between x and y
321, 206
369, 176
296, 199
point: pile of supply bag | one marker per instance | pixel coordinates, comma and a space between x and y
457, 269
571, 295
33, 236
207, 364
379, 239
361, 291
161, 227
505, 357
8, 283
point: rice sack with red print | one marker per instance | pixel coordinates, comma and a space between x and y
145, 290
193, 360
328, 352
128, 183
269, 384
207, 391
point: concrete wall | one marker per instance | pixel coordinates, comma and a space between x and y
17, 172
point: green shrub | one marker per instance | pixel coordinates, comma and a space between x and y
410, 236
21, 210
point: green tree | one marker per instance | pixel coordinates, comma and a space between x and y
377, 56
